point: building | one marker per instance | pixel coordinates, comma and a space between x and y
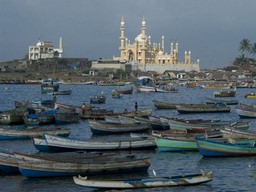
149, 56
45, 50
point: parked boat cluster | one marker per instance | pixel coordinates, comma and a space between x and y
60, 155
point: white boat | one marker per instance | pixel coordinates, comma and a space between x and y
246, 111
170, 181
144, 88
53, 144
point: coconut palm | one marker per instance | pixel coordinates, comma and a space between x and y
245, 45
253, 49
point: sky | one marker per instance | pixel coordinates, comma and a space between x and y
211, 29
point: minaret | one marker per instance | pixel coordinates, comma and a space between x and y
122, 39
60, 48
171, 52
163, 44
60, 43
143, 37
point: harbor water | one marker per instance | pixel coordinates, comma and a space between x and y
230, 174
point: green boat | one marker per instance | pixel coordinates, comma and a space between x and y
176, 143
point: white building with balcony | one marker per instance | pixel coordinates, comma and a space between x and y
45, 50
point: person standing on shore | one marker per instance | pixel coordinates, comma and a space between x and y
136, 106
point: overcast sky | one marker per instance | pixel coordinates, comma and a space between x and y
211, 29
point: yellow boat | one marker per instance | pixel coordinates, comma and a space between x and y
250, 96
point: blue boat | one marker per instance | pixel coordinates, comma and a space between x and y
52, 165
225, 147
8, 163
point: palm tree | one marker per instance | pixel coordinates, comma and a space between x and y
245, 46
253, 49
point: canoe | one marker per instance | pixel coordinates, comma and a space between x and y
8, 163
18, 133
164, 104
103, 128
202, 108
37, 165
172, 181
56, 144
225, 147
246, 111
227, 102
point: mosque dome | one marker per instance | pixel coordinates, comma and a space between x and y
39, 43
139, 38
160, 53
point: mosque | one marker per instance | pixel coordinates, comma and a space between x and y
148, 56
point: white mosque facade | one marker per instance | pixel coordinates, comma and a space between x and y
45, 50
148, 56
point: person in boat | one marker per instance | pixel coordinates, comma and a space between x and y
136, 106
125, 110
83, 108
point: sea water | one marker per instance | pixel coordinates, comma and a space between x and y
230, 174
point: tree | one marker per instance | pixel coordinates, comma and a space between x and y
253, 49
245, 46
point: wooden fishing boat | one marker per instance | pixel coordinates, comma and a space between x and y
250, 96
144, 88
164, 104
28, 133
172, 181
8, 163
103, 128
36, 165
56, 144
166, 89
217, 86
64, 92
125, 91
98, 99
66, 108
99, 114
65, 118
225, 147
227, 102
246, 111
49, 85
228, 132
225, 93
191, 84
14, 116
116, 94
112, 83
200, 125
43, 118
202, 108
156, 123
